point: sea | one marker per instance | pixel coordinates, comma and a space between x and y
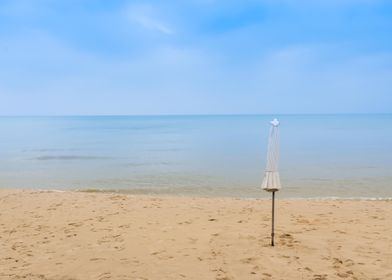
321, 156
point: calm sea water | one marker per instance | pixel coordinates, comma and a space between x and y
321, 155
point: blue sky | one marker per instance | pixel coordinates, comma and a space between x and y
67, 57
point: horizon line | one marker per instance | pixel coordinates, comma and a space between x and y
191, 115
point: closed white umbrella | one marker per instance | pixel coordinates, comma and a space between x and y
271, 181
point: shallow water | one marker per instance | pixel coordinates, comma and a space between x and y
321, 155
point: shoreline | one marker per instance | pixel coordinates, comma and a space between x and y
53, 235
167, 195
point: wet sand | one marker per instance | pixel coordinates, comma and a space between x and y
73, 235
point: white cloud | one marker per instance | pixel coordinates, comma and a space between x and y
147, 17
152, 24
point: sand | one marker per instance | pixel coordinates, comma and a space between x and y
73, 235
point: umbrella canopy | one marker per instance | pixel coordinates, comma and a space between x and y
271, 180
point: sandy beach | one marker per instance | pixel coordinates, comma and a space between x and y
74, 235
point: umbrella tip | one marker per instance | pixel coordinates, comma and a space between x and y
275, 122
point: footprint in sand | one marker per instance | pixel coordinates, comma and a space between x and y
157, 252
303, 221
117, 241
320, 277
118, 197
192, 240
161, 255
287, 239
221, 274
100, 219
125, 261
125, 226
346, 274
341, 266
53, 207
76, 224
185, 222
248, 260
104, 276
97, 259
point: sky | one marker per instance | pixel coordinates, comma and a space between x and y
99, 57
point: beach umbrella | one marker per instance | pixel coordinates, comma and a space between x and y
271, 181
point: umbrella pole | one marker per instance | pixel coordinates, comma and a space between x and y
273, 218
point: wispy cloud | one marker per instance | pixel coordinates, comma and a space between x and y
153, 24
147, 17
